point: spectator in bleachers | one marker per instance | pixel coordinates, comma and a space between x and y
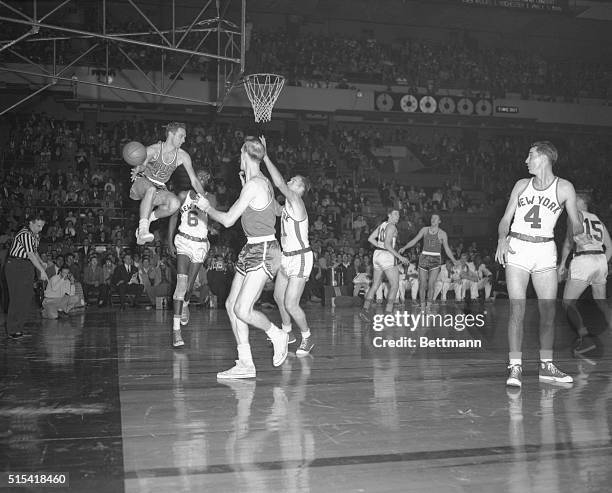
93, 278
125, 281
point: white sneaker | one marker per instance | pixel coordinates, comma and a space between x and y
239, 371
144, 237
280, 342
177, 339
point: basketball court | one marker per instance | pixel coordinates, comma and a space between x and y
104, 398
103, 403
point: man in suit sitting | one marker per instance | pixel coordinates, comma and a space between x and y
125, 280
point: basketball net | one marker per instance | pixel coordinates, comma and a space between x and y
263, 91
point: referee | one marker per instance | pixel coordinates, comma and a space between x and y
20, 275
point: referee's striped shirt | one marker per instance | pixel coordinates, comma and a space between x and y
25, 242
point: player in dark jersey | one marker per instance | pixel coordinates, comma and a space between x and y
258, 261
150, 180
430, 260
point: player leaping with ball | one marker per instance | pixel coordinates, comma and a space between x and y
151, 176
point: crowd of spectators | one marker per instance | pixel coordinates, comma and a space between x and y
337, 61
318, 60
89, 215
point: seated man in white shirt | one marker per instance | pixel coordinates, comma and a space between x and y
59, 295
449, 278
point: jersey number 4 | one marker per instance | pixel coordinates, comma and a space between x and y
192, 219
533, 217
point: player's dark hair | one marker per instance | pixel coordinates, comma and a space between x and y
174, 126
254, 148
36, 216
548, 149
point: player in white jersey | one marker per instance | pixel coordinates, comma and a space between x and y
589, 266
384, 260
190, 247
297, 259
527, 250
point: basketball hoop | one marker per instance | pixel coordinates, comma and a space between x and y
263, 91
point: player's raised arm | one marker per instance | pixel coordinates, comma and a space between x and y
227, 219
414, 240
186, 162
277, 178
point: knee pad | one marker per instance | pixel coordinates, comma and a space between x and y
181, 287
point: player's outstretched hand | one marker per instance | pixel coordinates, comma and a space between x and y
136, 170
401, 250
503, 248
561, 273
265, 145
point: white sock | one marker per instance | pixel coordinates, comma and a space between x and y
143, 225
244, 354
153, 217
270, 332
176, 323
516, 361
306, 335
287, 328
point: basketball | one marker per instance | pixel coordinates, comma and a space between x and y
134, 153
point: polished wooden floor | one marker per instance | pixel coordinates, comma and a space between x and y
105, 398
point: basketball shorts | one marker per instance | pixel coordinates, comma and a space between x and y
255, 256
429, 262
383, 260
299, 266
532, 257
592, 269
195, 250
141, 185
